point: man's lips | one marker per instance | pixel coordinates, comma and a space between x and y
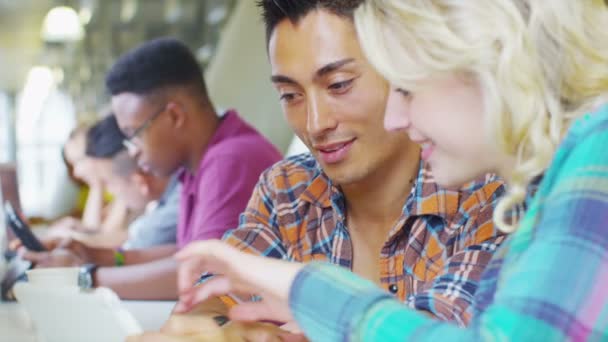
334, 152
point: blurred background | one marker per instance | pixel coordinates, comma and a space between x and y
54, 56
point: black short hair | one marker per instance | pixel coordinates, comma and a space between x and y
104, 139
154, 65
275, 11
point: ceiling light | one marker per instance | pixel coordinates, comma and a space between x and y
61, 25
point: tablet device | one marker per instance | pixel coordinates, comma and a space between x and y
21, 229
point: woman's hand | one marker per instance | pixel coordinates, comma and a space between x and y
235, 272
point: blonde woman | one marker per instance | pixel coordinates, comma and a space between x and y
515, 87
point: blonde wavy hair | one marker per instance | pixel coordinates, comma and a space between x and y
540, 64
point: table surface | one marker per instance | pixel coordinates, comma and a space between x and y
15, 325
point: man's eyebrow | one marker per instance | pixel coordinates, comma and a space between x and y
331, 67
324, 70
282, 79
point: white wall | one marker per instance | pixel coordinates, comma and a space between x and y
239, 75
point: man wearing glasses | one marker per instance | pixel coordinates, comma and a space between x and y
161, 105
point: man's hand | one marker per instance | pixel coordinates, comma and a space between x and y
56, 258
48, 242
60, 253
185, 328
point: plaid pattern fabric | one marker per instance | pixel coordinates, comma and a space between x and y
548, 282
434, 255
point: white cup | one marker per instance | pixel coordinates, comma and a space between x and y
54, 276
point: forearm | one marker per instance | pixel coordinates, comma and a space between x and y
156, 280
360, 311
101, 239
139, 256
91, 217
116, 218
103, 257
106, 256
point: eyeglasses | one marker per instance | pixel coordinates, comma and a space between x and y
129, 142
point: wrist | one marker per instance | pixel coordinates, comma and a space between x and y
101, 256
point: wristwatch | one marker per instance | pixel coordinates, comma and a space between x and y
85, 276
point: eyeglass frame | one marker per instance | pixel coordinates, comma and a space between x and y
128, 142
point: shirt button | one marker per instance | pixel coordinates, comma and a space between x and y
393, 288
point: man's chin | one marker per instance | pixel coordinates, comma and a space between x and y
159, 173
342, 176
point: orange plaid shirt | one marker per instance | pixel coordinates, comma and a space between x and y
434, 255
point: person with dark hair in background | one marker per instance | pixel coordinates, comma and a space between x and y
156, 199
104, 218
91, 199
161, 104
104, 138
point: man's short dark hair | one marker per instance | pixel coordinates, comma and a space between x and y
104, 139
275, 11
154, 65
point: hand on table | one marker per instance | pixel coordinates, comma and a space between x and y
190, 328
235, 272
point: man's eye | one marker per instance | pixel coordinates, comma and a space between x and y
287, 97
341, 85
403, 91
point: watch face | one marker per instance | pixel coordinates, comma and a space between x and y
85, 279
82, 279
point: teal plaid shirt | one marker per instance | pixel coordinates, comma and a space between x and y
548, 282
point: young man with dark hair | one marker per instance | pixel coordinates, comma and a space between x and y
364, 198
161, 104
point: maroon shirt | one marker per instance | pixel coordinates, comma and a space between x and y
213, 198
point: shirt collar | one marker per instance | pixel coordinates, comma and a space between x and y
427, 197
230, 124
319, 191
169, 188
